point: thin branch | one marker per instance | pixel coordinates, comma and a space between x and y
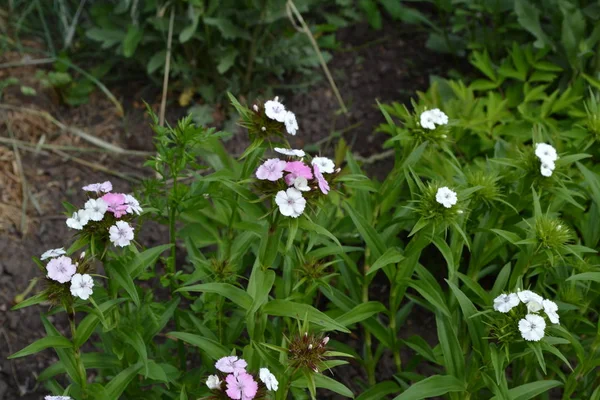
25, 63
163, 101
71, 31
291, 8
97, 167
24, 191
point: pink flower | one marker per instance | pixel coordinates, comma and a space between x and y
117, 203
241, 387
61, 269
271, 170
323, 185
103, 187
296, 169
231, 365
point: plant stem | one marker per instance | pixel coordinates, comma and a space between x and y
80, 367
368, 340
163, 101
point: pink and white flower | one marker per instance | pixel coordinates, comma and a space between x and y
133, 206
291, 125
213, 382
271, 170
268, 379
323, 184
241, 386
81, 286
275, 110
61, 269
121, 234
326, 165
290, 152
78, 220
116, 203
53, 253
231, 365
98, 188
96, 208
291, 203
296, 169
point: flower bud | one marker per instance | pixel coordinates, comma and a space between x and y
255, 107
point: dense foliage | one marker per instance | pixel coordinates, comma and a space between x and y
278, 261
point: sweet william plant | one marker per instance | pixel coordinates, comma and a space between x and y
265, 288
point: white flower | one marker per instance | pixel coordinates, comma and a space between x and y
439, 117
291, 203
121, 234
78, 220
53, 253
527, 295
545, 152
326, 166
446, 197
268, 379
81, 286
428, 119
290, 152
213, 382
291, 125
96, 208
301, 184
550, 308
547, 168
275, 110
133, 206
532, 327
505, 302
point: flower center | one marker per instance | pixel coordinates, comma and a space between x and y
533, 326
290, 201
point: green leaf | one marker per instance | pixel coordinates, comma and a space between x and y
474, 325
227, 28
307, 224
593, 181
121, 276
433, 386
212, 348
290, 309
531, 390
361, 312
33, 300
529, 18
391, 256
372, 11
585, 276
322, 381
132, 39
88, 324
56, 342
454, 360
90, 360
145, 259
118, 384
379, 391
227, 60
368, 233
236, 295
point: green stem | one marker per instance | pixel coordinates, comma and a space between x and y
369, 362
76, 351
394, 331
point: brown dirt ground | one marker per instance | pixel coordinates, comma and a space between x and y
386, 65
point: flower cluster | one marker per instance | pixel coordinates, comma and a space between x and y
61, 269
238, 384
531, 325
106, 210
430, 118
308, 351
294, 176
547, 156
